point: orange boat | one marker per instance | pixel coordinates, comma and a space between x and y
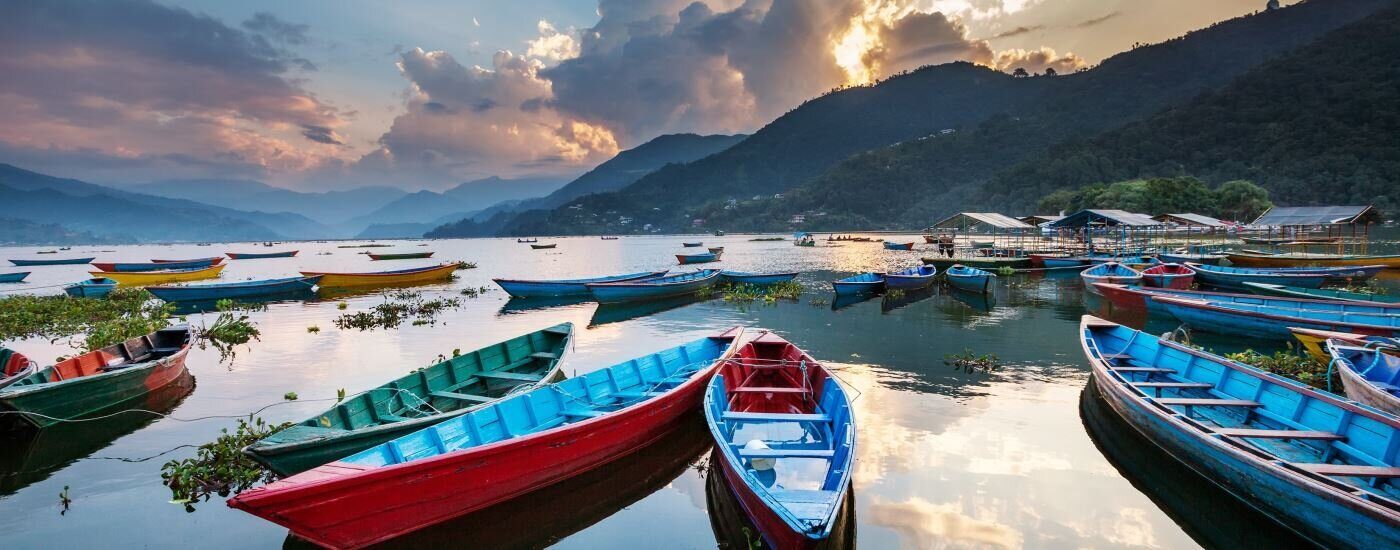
385, 278
1305, 259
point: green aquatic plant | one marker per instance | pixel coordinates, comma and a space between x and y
894, 294
399, 307
968, 361
232, 328
1006, 271
290, 396
220, 467
342, 306
123, 314
1289, 363
474, 292
819, 301
747, 293
465, 265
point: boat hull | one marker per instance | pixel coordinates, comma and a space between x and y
232, 290
774, 531
1267, 326
1320, 294
626, 292
260, 255
13, 277
146, 278
757, 278
857, 288
136, 267
89, 290
970, 283
1361, 391
1235, 281
69, 261
404, 277
565, 288
1309, 260
405, 256
687, 259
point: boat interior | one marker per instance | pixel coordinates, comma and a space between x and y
1331, 441
135, 352
1363, 317
787, 427
1380, 368
592, 395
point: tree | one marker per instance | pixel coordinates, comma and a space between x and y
1241, 200
1050, 71
1019, 72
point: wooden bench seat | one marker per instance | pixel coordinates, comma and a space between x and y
786, 453
1348, 470
513, 376
775, 417
637, 394
1149, 370
1279, 434
762, 389
582, 413
1191, 402
1174, 385
462, 397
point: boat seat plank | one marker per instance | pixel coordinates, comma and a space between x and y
1279, 434
762, 389
1180, 385
1116, 356
514, 376
582, 413
462, 397
1348, 470
775, 417
786, 453
385, 417
637, 394
1150, 370
544, 355
1190, 402
807, 505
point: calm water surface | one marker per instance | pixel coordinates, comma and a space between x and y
1019, 457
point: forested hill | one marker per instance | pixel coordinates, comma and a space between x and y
999, 120
1319, 126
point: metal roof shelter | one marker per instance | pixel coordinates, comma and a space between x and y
1100, 217
1039, 219
1189, 219
1283, 216
967, 221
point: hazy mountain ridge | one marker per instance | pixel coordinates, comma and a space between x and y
328, 207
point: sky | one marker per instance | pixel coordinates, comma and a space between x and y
334, 94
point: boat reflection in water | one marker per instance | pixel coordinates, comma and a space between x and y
1211, 516
733, 529
28, 456
523, 305
204, 306
978, 301
626, 311
843, 301
546, 516
890, 302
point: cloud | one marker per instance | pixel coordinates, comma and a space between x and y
1091, 22
552, 44
1017, 31
131, 83
1036, 61
276, 29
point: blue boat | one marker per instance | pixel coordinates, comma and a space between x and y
157, 265
899, 246
558, 288
55, 261
911, 278
1110, 272
259, 255
1370, 375
1317, 464
1065, 262
96, 287
243, 289
650, 289
693, 245
865, 283
1235, 277
1136, 297
13, 277
786, 435
746, 278
969, 278
701, 258
1185, 258
1272, 323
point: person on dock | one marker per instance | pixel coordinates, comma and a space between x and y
945, 245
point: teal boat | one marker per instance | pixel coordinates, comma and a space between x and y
427, 396
1265, 289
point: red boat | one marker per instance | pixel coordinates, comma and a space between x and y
1169, 276
495, 453
213, 261
1038, 260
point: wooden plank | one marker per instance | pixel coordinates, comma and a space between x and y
1155, 370
637, 394
1279, 434
514, 376
761, 389
462, 397
582, 413
775, 417
1348, 470
544, 355
1190, 402
1182, 385
786, 453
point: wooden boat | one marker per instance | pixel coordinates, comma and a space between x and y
1183, 258
693, 245
425, 397
531, 240
14, 366
608, 238
747, 278
701, 258
524, 442
1235, 277
792, 488
864, 283
1110, 272
13, 277
899, 246
1168, 276
650, 289
566, 287
1320, 293
146, 278
1369, 374
1297, 259
912, 278
401, 256
718, 251
981, 262
1038, 259
241, 289
543, 246
1066, 261
414, 275
157, 265
1133, 297
1315, 341
99, 379
258, 255
1272, 323
55, 261
969, 278
1316, 463
96, 287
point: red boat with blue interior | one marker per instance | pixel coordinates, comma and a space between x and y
157, 265
1168, 276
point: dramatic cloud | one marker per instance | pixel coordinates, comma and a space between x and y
1091, 22
1036, 61
133, 84
552, 44
270, 26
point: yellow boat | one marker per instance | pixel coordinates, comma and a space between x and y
385, 278
145, 278
1306, 259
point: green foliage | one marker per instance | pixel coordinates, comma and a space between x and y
219, 467
746, 293
232, 328
123, 314
289, 396
398, 307
968, 361
313, 329
1300, 367
1234, 200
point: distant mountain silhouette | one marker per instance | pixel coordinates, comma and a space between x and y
329, 207
17, 232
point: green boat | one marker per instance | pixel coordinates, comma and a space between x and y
401, 256
425, 397
98, 380
981, 262
1265, 289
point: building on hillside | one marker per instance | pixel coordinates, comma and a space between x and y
1334, 229
1193, 221
1117, 233
798, 218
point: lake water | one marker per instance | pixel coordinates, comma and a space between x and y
1020, 456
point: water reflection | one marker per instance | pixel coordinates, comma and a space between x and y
843, 301
1211, 516
626, 311
891, 302
204, 306
523, 305
976, 301
732, 526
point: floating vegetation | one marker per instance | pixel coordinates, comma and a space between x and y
220, 467
231, 329
123, 314
894, 294
65, 500
465, 265
474, 292
967, 361
767, 239
1006, 271
746, 293
313, 329
399, 307
819, 301
1290, 363
342, 306
290, 396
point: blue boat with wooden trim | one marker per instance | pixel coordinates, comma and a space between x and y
701, 258
1185, 258
242, 289
54, 261
864, 283
1067, 261
1135, 297
786, 436
260, 255
410, 403
650, 289
1264, 289
1272, 323
15, 277
1319, 465
1369, 374
912, 278
899, 246
157, 265
96, 287
559, 288
1110, 272
970, 279
746, 278
1235, 277
693, 245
